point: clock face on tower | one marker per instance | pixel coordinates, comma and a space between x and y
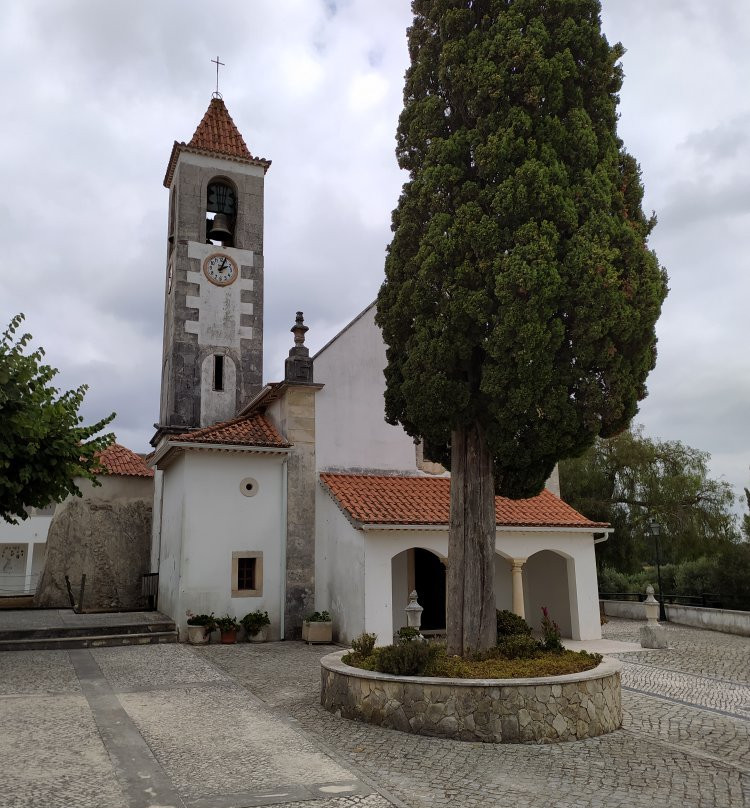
220, 269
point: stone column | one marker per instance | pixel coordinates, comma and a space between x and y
297, 414
517, 574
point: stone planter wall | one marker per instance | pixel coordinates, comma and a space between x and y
541, 710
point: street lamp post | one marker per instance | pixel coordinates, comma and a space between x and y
655, 529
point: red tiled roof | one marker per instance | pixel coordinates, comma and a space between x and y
116, 459
386, 500
249, 430
215, 134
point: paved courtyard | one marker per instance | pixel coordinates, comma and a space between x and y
233, 726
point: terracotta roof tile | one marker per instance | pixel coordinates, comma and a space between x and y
215, 134
387, 500
249, 430
116, 459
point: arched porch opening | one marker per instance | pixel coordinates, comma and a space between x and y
546, 583
424, 571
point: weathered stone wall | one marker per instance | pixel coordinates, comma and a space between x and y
541, 710
107, 539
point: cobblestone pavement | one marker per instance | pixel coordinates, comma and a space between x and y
232, 726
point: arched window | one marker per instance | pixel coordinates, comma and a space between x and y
221, 200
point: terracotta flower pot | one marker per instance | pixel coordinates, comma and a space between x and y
229, 636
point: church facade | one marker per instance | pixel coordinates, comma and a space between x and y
297, 495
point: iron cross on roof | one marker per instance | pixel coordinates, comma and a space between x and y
216, 61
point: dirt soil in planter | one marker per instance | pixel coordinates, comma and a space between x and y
545, 663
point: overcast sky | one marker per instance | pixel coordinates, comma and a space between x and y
94, 93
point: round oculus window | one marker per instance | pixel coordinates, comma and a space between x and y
249, 487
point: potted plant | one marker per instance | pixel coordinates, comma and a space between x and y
228, 627
318, 627
255, 625
200, 627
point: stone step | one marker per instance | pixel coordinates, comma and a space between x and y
62, 632
90, 640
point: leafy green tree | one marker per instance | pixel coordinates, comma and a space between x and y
746, 517
630, 479
43, 445
520, 296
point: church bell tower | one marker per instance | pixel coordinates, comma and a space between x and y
213, 300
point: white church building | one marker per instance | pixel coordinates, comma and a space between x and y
297, 495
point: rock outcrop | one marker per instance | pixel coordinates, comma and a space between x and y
107, 540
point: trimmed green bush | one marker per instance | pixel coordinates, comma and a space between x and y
364, 644
518, 646
406, 659
509, 623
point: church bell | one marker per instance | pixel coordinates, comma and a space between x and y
220, 229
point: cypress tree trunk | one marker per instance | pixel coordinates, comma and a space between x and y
471, 544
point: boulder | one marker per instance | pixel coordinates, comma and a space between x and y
108, 540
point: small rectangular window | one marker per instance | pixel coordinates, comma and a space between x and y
218, 372
247, 574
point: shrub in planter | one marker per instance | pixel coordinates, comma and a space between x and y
551, 631
318, 627
228, 626
406, 659
509, 623
255, 624
364, 644
518, 646
200, 627
407, 634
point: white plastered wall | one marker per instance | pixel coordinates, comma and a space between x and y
205, 518
339, 569
349, 412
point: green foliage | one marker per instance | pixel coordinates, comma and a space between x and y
226, 623
364, 644
518, 646
725, 575
207, 620
43, 445
630, 479
407, 633
509, 623
490, 664
407, 658
319, 617
746, 517
520, 295
551, 633
253, 622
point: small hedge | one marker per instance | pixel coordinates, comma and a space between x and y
510, 624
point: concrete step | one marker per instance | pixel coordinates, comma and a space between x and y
90, 640
63, 632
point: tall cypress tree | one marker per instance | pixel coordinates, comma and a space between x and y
520, 295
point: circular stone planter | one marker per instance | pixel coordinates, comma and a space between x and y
545, 709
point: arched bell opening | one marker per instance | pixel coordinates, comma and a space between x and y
424, 571
221, 200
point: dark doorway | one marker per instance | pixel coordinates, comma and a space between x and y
429, 581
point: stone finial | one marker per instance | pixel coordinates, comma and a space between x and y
298, 368
299, 329
414, 612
